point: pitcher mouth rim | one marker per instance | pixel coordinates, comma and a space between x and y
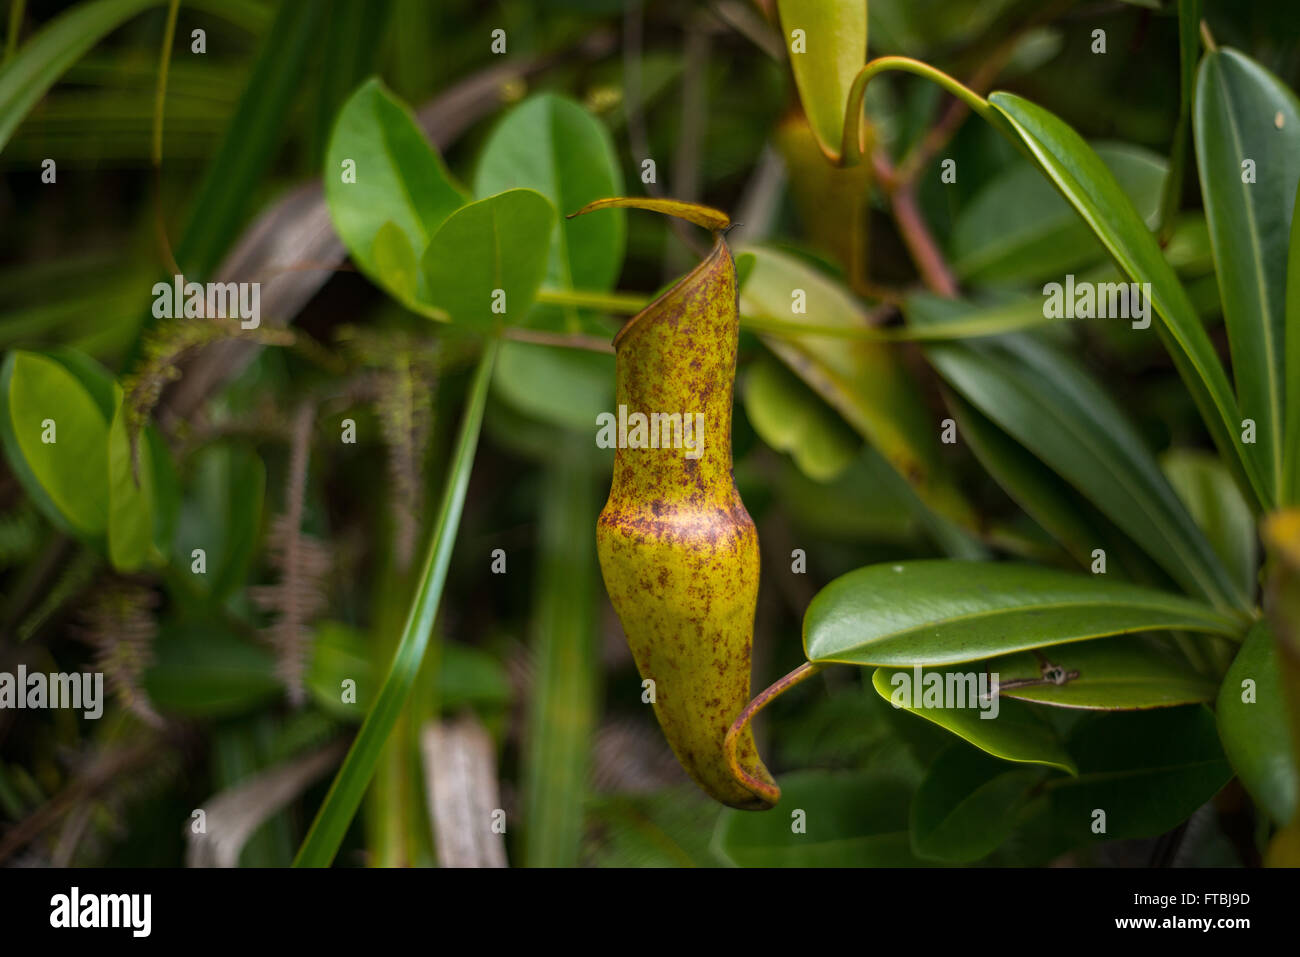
719, 246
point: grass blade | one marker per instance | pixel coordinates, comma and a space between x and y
350, 784
27, 76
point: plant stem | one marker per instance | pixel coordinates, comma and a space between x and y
761, 788
345, 794
616, 302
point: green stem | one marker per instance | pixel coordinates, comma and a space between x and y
616, 302
851, 147
160, 93
345, 794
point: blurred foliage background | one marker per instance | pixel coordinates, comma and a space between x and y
529, 680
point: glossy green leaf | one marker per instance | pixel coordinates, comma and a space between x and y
1207, 489
865, 382
201, 670
1090, 188
130, 500
1050, 405
967, 804
45, 57
485, 263
1109, 674
1003, 728
66, 478
345, 794
851, 820
1147, 770
553, 145
1248, 128
222, 514
1019, 229
400, 183
936, 612
1253, 726
827, 43
791, 418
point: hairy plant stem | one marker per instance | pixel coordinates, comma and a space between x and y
764, 698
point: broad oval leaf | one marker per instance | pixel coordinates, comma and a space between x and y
827, 42
1003, 728
1109, 674
380, 172
1019, 229
553, 145
1253, 726
968, 804
40, 399
485, 263
1091, 189
852, 820
935, 612
1248, 150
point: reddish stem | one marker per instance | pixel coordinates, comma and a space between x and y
769, 792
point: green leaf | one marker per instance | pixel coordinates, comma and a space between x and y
66, 478
1003, 728
400, 184
1090, 188
553, 145
130, 500
1207, 489
486, 262
1109, 674
1246, 115
1019, 229
865, 382
1290, 492
1052, 407
968, 804
563, 711
222, 514
1147, 770
201, 670
789, 417
38, 65
261, 122
1061, 511
564, 387
1253, 725
851, 820
833, 50
395, 263
939, 612
345, 794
